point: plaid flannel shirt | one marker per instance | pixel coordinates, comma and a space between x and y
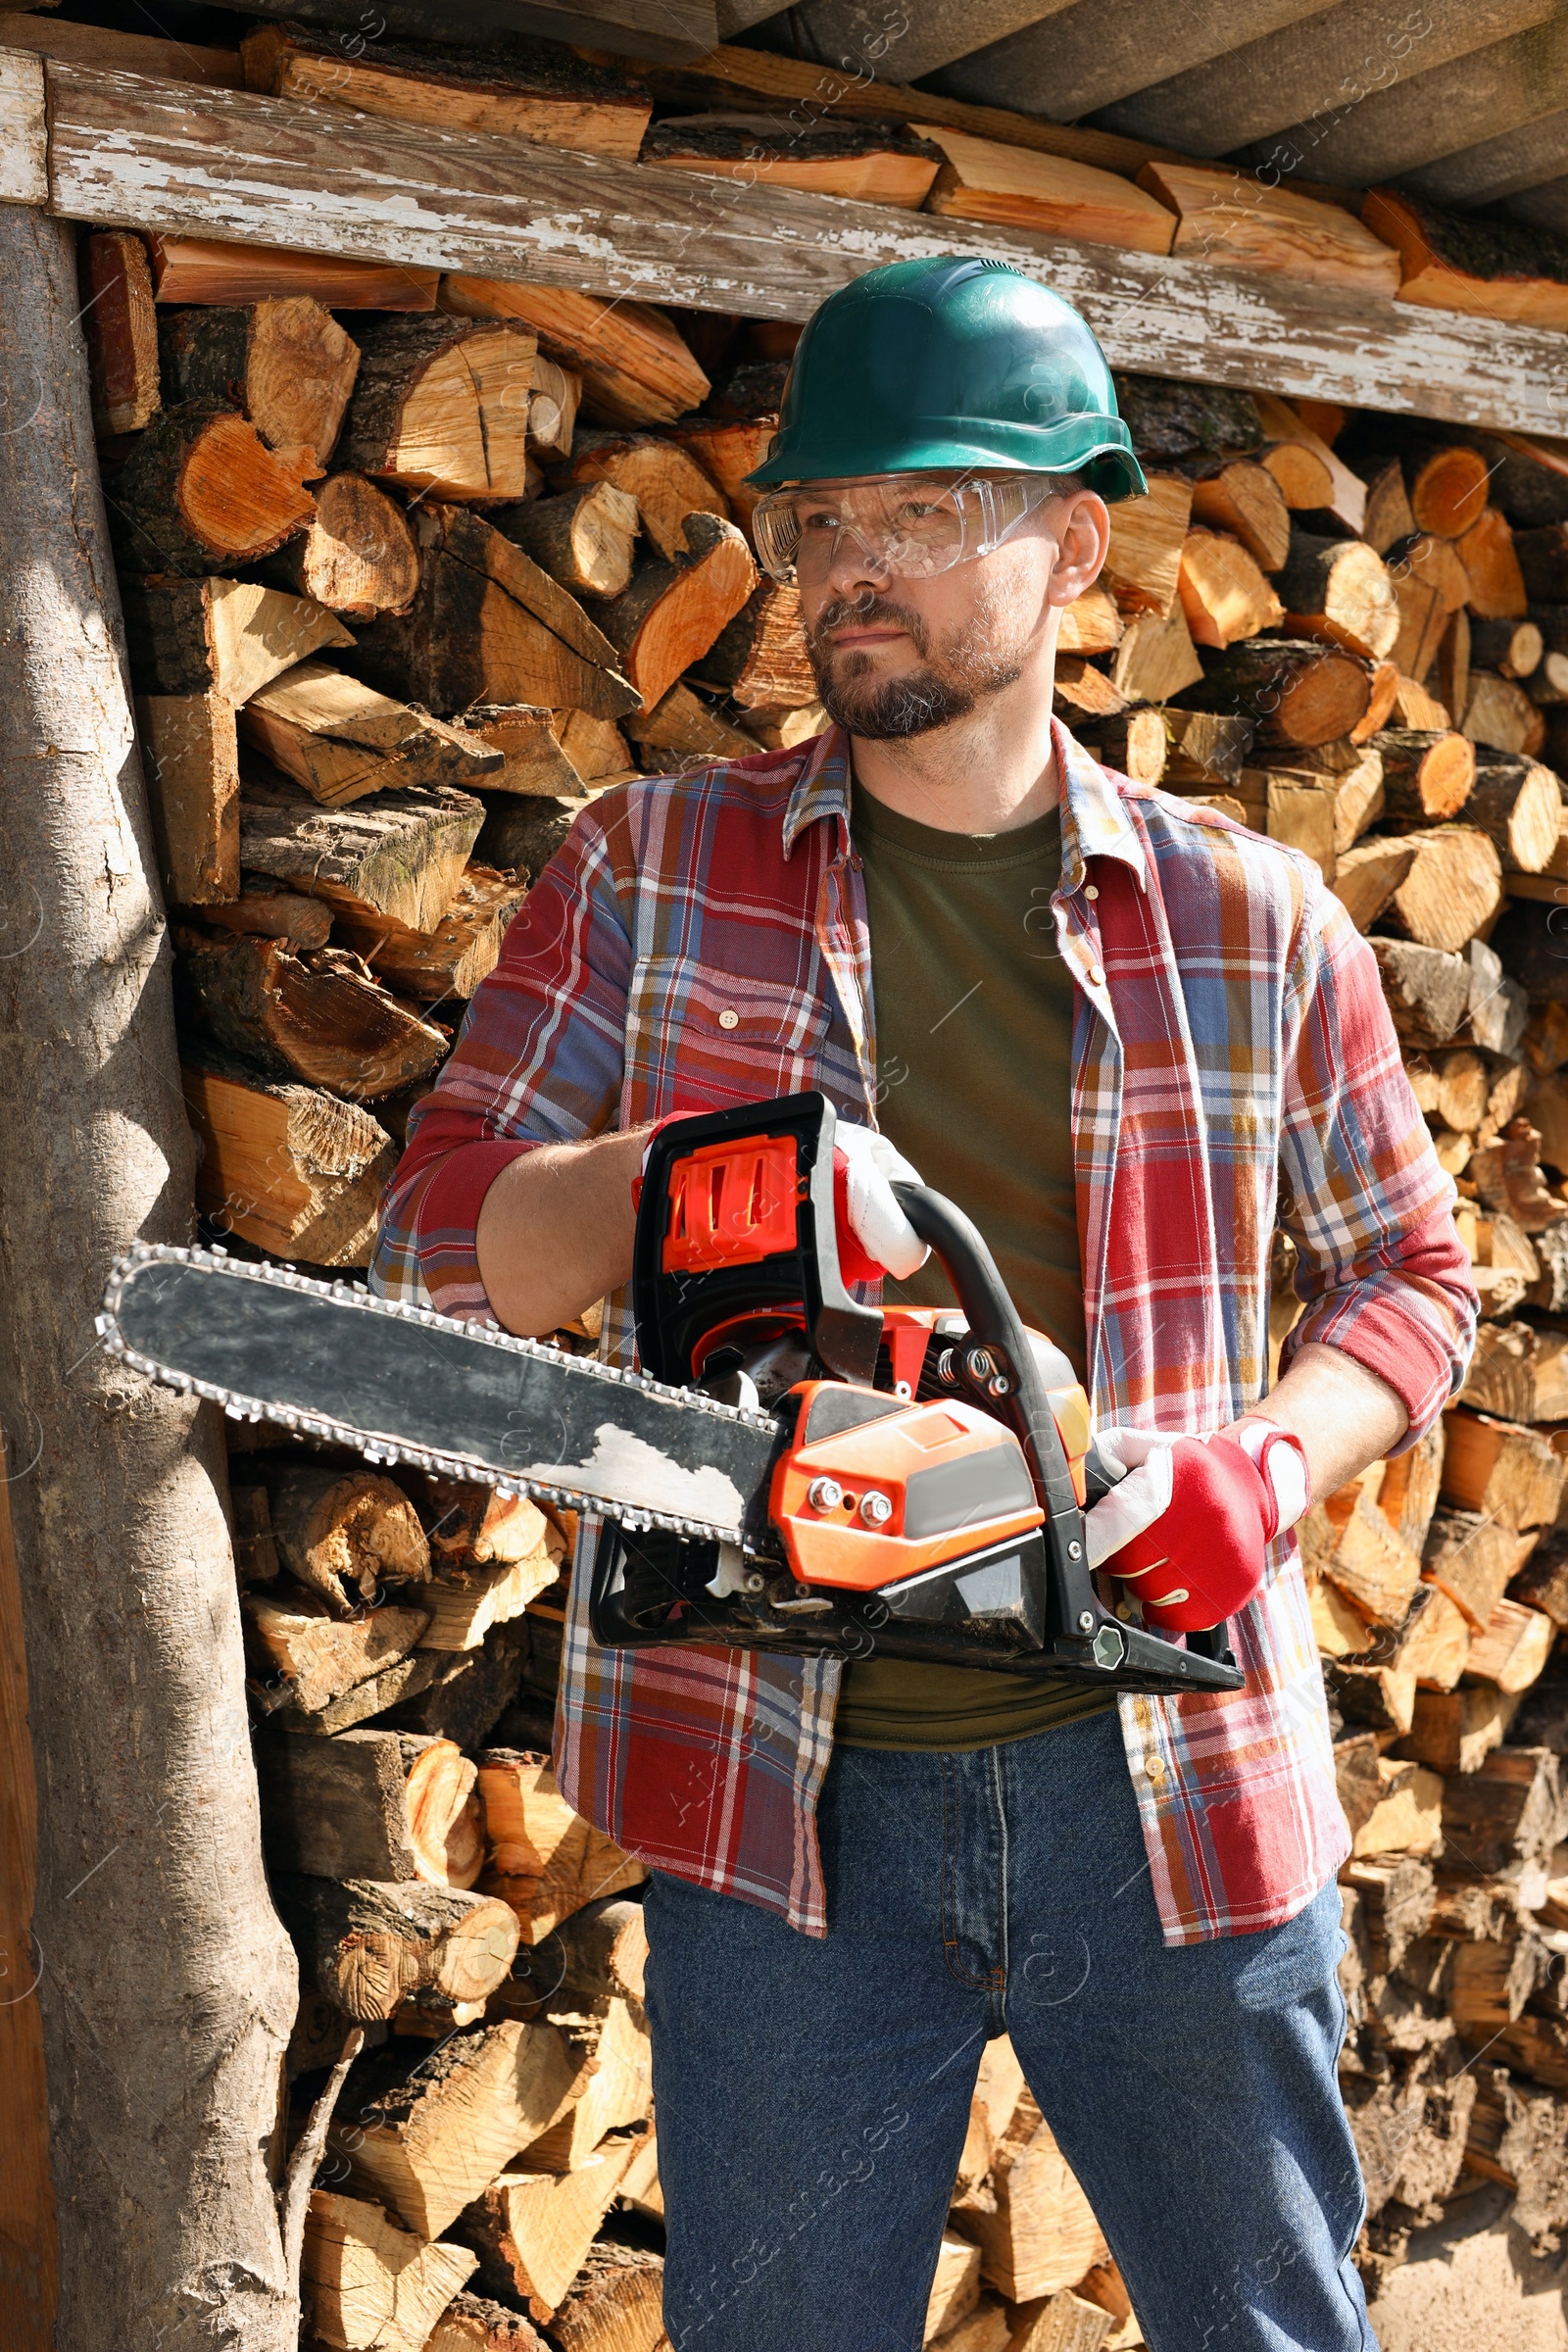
700, 941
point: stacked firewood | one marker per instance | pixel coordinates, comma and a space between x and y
413, 569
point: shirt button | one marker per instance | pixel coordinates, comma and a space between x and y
1154, 1768
729, 1020
1091, 891
1095, 975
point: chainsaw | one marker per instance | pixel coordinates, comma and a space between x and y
790, 1469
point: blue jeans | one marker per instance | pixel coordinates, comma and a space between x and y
812, 2095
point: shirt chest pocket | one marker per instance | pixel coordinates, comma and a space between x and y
702, 1038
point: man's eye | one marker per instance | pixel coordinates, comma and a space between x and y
823, 520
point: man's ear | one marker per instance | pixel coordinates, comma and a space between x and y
1083, 542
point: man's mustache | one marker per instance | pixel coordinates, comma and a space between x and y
862, 610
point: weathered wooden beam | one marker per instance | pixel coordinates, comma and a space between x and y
166, 1983
142, 153
1104, 49
914, 41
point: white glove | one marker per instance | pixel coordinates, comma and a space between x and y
866, 1166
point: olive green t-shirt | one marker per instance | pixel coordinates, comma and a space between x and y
974, 1012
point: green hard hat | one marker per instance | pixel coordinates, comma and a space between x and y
949, 362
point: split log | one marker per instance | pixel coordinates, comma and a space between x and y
427, 2137
1171, 421
1505, 1472
526, 737
1367, 875
1146, 535
1433, 1644
681, 729
598, 1956
760, 657
402, 859
1231, 220
344, 1532
290, 1170
285, 363
1305, 480
878, 163
370, 1946
1500, 713
986, 2328
1034, 2228
1155, 658
531, 2229
521, 836
442, 405
357, 556
636, 366
371, 1804
389, 1687
1519, 806
1239, 496
1499, 1010
368, 2285
1065, 2323
191, 752
450, 960
509, 90
660, 475
1134, 743
1429, 585
213, 269
303, 1656
1382, 1701
1370, 1562
1427, 993
462, 1694
1509, 1180
1283, 422
672, 614
540, 1856
1407, 1817
1414, 707
1508, 1811
1450, 491
1079, 690
553, 404
615, 2086
981, 180
1496, 268
584, 539
1453, 886
1382, 697
1389, 515
340, 739
1497, 583
466, 1602
955, 2286
1426, 776
1454, 1731
1339, 590
1514, 1647
1542, 1582
596, 752
488, 626
320, 1016
215, 636
256, 1560
122, 332
1510, 648
1205, 746
201, 492
774, 728
1303, 694
616, 2304
474, 2324
727, 449
1451, 673
1397, 1900
1223, 593
1520, 2138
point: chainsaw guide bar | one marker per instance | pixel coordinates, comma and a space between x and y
329, 1360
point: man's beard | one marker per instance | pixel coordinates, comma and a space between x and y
968, 666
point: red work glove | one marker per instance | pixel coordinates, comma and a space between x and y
1188, 1529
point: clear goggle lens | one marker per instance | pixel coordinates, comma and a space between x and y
900, 523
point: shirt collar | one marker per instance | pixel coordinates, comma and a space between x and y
1094, 823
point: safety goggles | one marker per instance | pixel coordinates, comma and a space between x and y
902, 523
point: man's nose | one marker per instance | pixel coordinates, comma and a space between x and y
852, 565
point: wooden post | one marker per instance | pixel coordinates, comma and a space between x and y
166, 1987
27, 2199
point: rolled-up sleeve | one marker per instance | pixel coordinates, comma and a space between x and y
1381, 1271
539, 1061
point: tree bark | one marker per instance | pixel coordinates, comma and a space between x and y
168, 1994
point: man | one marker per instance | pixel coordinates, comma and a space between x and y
1125, 1035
